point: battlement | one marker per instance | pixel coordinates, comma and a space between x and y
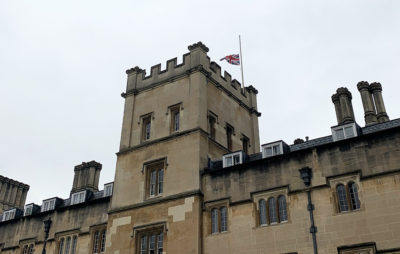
196, 60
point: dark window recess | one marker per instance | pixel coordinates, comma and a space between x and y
245, 144
146, 128
211, 124
229, 133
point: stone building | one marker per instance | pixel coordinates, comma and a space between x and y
190, 177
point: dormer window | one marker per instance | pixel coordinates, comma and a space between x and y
48, 205
78, 197
108, 189
28, 210
273, 149
232, 159
344, 131
9, 215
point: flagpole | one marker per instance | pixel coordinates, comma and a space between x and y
241, 60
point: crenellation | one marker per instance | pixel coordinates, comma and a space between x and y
196, 60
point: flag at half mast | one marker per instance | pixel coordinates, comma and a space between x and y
232, 59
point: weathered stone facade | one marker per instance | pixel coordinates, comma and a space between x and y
184, 185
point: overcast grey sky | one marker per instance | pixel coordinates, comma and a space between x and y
62, 70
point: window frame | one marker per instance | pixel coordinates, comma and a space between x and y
212, 122
80, 198
108, 186
345, 181
159, 168
97, 245
335, 129
271, 146
9, 214
146, 132
156, 229
48, 205
266, 196
66, 242
245, 144
214, 214
232, 157
26, 207
174, 110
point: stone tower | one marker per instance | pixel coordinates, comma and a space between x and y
175, 121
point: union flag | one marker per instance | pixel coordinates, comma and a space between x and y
232, 59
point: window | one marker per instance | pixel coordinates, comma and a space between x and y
108, 189
78, 197
67, 244
28, 210
155, 179
28, 249
272, 212
175, 118
245, 144
272, 149
146, 127
99, 241
232, 159
9, 215
229, 133
344, 131
151, 242
48, 205
347, 197
219, 220
212, 119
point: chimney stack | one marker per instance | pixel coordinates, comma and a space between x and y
343, 107
86, 176
376, 90
368, 103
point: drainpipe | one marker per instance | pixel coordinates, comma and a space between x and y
306, 175
47, 224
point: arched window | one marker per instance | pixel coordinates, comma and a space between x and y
214, 220
96, 242
25, 250
282, 208
30, 251
354, 201
342, 198
61, 246
73, 248
273, 218
67, 245
263, 212
103, 241
224, 219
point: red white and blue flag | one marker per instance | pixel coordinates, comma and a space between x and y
232, 59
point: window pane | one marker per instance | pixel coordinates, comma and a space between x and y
25, 251
268, 151
228, 161
277, 149
96, 242
143, 245
153, 177
74, 245
354, 201
152, 244
224, 219
339, 134
103, 241
67, 245
282, 208
263, 212
342, 199
160, 239
272, 211
30, 249
236, 159
176, 121
214, 221
349, 132
61, 247
160, 180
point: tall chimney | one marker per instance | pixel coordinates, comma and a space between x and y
376, 90
368, 103
12, 194
343, 106
86, 176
